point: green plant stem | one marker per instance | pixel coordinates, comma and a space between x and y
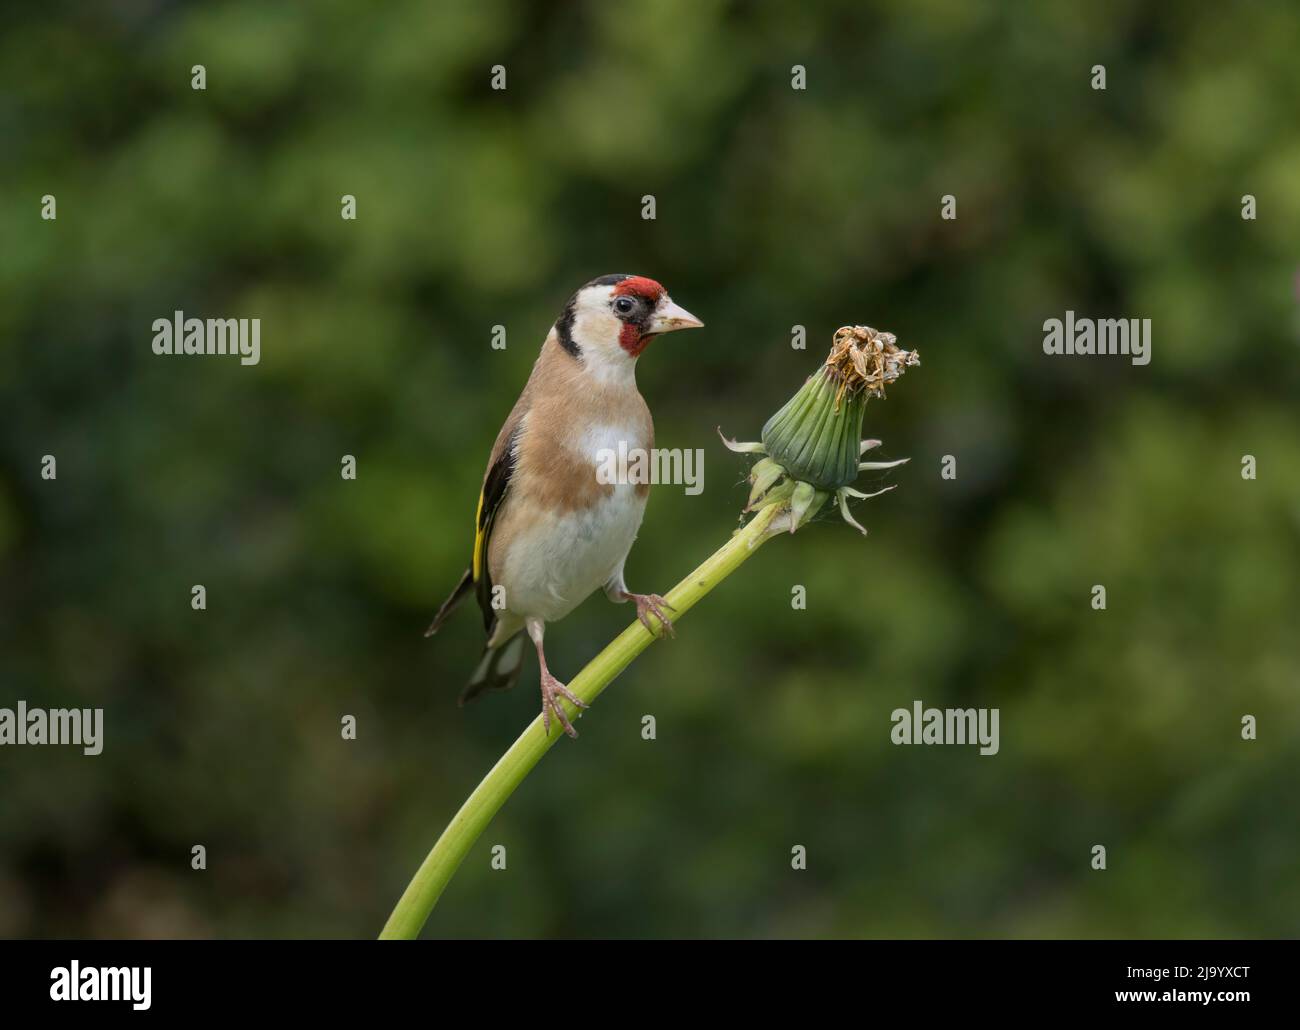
440, 865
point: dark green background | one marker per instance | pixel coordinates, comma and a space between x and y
775, 207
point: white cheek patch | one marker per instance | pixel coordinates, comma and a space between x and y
596, 331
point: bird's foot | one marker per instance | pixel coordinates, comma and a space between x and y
552, 691
653, 604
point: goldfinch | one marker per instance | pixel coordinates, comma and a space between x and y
548, 531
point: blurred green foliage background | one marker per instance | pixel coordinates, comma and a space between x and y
776, 207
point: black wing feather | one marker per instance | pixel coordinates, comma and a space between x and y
494, 492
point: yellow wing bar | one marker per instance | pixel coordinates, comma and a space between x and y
478, 537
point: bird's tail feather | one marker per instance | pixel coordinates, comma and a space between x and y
497, 670
465, 585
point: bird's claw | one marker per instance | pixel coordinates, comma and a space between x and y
653, 604
552, 691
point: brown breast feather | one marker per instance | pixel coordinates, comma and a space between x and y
560, 402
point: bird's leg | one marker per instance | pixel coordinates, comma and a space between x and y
651, 604
552, 689
654, 605
646, 604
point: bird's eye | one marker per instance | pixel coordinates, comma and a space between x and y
623, 305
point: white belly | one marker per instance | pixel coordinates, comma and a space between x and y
556, 562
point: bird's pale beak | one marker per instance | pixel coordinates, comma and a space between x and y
669, 318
